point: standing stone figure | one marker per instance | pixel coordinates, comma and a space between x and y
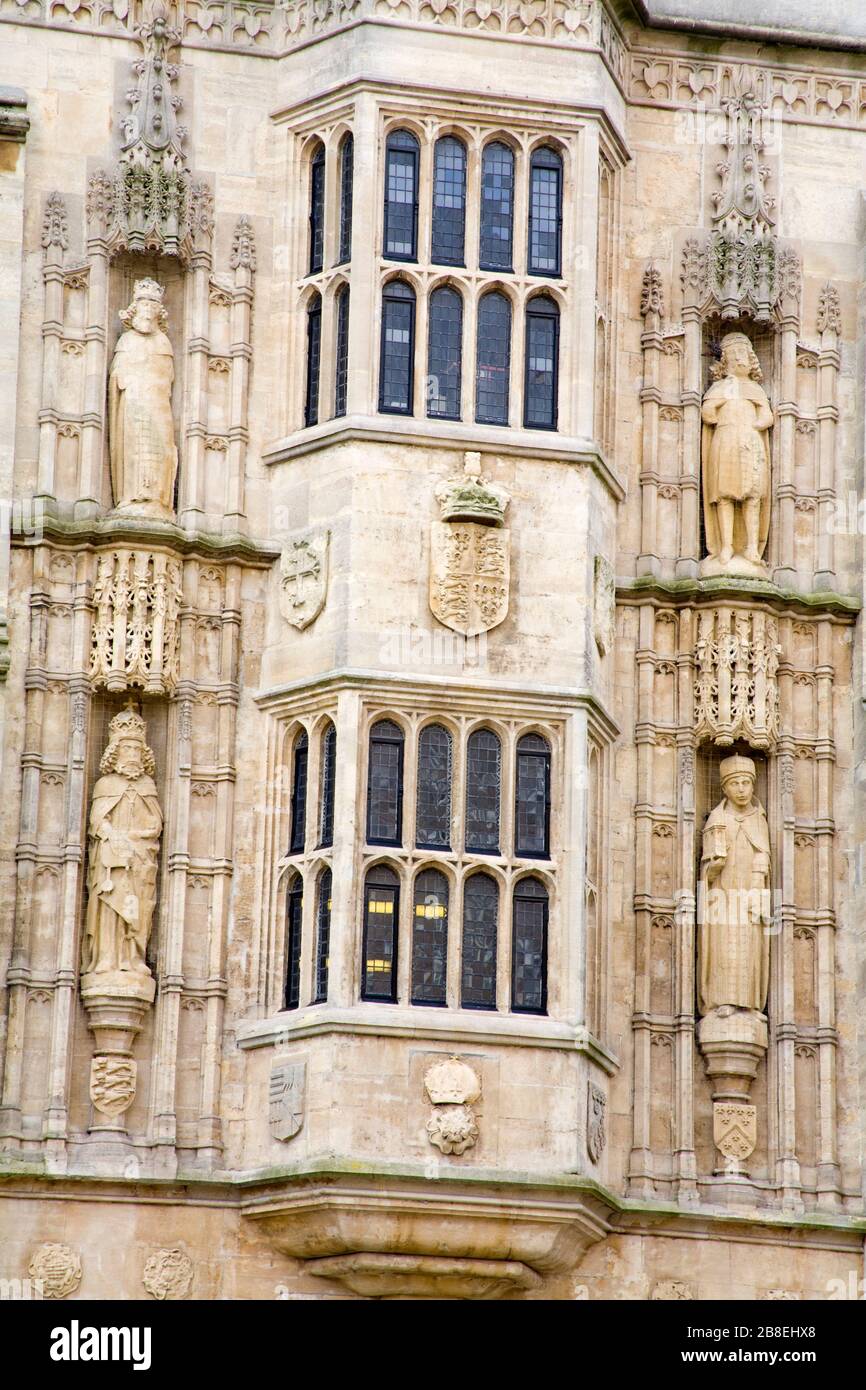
735, 459
734, 897
140, 425
123, 845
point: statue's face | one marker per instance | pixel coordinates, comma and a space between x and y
739, 789
129, 762
146, 316
738, 358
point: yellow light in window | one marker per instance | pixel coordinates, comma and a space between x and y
378, 967
385, 907
429, 910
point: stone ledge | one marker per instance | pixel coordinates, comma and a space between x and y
646, 588
99, 532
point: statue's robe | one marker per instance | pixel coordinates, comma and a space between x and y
142, 450
735, 456
734, 943
125, 826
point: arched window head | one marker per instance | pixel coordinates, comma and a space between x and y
397, 355
385, 785
401, 197
444, 354
300, 754
314, 360
341, 364
323, 936
329, 773
449, 201
381, 921
317, 209
532, 798
347, 175
429, 938
483, 783
541, 376
529, 947
478, 957
493, 359
294, 918
433, 803
545, 212
495, 250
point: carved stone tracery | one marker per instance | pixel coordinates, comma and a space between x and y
135, 639
736, 689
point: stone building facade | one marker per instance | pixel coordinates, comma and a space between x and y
429, 629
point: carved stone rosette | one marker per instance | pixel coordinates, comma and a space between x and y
136, 633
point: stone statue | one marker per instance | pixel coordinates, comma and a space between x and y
735, 460
123, 845
140, 425
735, 897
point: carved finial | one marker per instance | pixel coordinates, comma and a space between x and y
54, 226
829, 313
243, 245
789, 274
652, 293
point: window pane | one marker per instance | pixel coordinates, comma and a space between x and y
433, 806
341, 366
317, 210
532, 809
314, 352
493, 361
478, 964
449, 201
347, 165
294, 910
542, 352
529, 948
398, 349
497, 207
444, 354
381, 911
545, 212
299, 795
429, 937
483, 778
401, 196
329, 772
323, 937
385, 785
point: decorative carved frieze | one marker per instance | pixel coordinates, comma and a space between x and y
736, 689
136, 634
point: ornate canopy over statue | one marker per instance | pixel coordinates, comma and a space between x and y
141, 426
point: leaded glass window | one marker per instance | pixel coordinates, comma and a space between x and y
444, 354
478, 960
398, 348
299, 795
493, 359
429, 938
314, 355
545, 212
433, 803
347, 170
341, 365
497, 207
529, 947
385, 785
401, 197
379, 951
541, 378
483, 781
449, 201
329, 773
294, 916
323, 937
532, 798
317, 209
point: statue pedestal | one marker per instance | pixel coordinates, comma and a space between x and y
116, 1002
733, 1043
738, 567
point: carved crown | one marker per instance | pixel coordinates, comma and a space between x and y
452, 1082
127, 724
471, 497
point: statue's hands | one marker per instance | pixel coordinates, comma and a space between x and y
715, 866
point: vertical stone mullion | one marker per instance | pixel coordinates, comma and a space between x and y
828, 416
690, 529
786, 415
348, 833
93, 425
191, 494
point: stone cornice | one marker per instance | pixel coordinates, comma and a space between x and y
95, 534
14, 120
700, 592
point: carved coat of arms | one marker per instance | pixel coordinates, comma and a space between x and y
112, 1084
304, 578
286, 1099
735, 1129
469, 575
596, 1134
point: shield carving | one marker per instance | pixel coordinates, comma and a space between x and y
304, 578
469, 575
735, 1129
286, 1099
112, 1084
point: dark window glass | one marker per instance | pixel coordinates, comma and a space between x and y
385, 785
478, 962
483, 779
317, 209
347, 170
329, 772
314, 355
529, 948
493, 360
449, 201
381, 912
444, 354
433, 805
497, 207
323, 937
429, 938
401, 196
294, 911
545, 212
299, 795
398, 349
341, 366
532, 799
542, 364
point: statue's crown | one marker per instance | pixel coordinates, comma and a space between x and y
148, 289
471, 497
736, 766
127, 724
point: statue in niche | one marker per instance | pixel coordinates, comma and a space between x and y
123, 846
140, 424
735, 461
734, 897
